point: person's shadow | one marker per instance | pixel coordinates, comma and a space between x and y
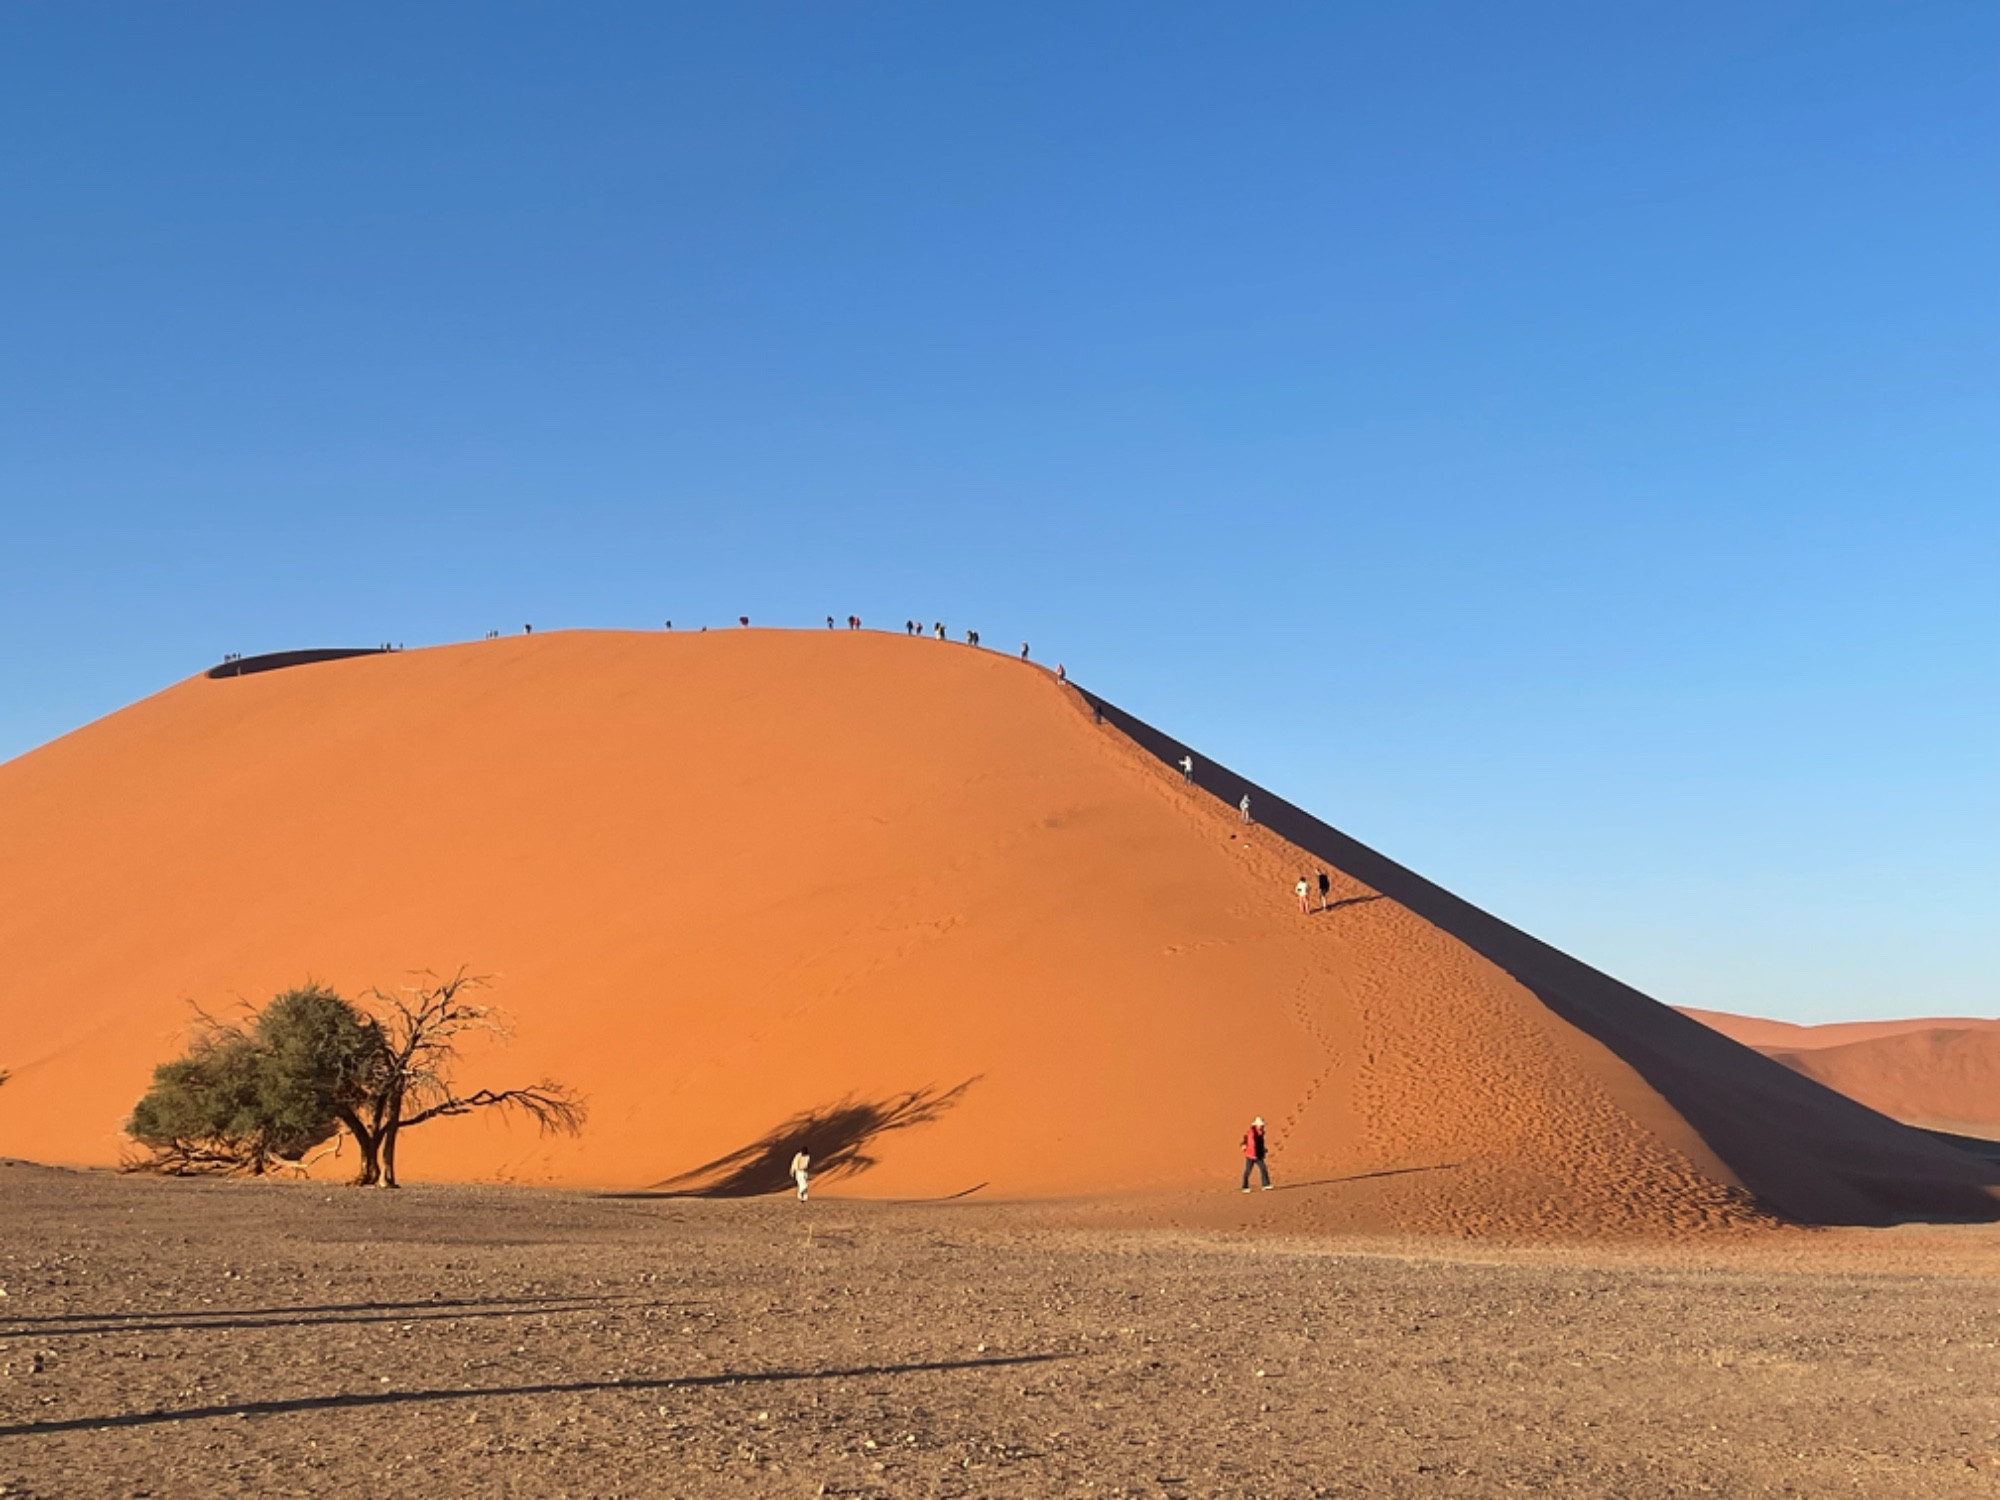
835, 1136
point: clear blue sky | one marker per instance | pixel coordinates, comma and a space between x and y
1555, 444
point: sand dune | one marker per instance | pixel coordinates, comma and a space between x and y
900, 892
1789, 1036
1941, 1073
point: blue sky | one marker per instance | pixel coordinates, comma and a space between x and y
1555, 444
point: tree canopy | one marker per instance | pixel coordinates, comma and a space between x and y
249, 1096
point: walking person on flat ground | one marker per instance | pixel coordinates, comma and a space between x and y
1253, 1154
1304, 892
802, 1162
1244, 807
1325, 888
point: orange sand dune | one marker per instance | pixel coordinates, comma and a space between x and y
908, 895
1941, 1074
1775, 1036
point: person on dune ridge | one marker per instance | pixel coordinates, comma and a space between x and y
1325, 888
1304, 892
1187, 770
1253, 1154
801, 1164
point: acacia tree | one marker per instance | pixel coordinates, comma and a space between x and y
421, 1026
248, 1096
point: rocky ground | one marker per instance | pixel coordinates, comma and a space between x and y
201, 1338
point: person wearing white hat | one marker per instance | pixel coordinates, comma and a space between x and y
1253, 1154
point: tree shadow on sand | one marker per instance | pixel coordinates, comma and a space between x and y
836, 1136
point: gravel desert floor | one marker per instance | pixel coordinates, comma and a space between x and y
204, 1338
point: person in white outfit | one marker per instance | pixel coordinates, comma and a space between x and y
1244, 807
1187, 770
800, 1164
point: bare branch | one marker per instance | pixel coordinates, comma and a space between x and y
555, 1109
197, 1159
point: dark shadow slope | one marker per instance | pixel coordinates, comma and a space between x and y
271, 661
1807, 1153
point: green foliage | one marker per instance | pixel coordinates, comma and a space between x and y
242, 1100
319, 1055
310, 1064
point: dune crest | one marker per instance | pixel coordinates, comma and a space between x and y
739, 879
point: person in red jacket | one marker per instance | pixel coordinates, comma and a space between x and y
1253, 1154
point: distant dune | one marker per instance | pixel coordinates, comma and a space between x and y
1941, 1073
906, 898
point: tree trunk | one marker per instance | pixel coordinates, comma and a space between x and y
392, 1122
369, 1143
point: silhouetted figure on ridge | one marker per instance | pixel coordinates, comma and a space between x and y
1325, 887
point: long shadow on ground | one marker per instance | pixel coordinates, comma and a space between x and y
835, 1136
1293, 1187
366, 1399
1804, 1152
81, 1326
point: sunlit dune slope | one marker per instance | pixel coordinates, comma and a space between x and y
1939, 1073
736, 879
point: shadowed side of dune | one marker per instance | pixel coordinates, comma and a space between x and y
1935, 1076
1806, 1152
277, 661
